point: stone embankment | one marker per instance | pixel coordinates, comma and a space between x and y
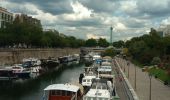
11, 56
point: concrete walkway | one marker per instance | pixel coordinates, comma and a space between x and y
159, 90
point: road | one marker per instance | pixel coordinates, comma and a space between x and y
159, 90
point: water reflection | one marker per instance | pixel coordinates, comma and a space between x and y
33, 89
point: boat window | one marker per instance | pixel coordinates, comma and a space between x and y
84, 80
101, 99
104, 87
55, 92
93, 86
52, 92
94, 98
68, 93
88, 80
99, 87
63, 93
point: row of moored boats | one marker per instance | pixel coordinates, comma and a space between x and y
97, 82
33, 67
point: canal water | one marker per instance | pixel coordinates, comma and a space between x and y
33, 89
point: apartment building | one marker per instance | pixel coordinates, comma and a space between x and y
5, 17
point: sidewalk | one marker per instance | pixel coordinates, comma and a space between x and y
159, 90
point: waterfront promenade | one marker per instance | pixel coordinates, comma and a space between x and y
159, 90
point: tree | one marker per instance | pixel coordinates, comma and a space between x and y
109, 52
91, 43
102, 42
118, 44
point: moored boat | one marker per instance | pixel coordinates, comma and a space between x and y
101, 89
21, 72
62, 92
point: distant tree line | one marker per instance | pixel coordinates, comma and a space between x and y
29, 35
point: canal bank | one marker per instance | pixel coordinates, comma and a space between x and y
33, 89
11, 56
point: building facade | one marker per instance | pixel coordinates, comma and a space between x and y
164, 30
5, 17
27, 19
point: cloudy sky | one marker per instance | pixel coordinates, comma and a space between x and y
93, 18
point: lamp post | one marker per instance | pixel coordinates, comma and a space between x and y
128, 68
124, 66
150, 86
135, 78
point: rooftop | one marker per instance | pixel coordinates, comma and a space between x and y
65, 87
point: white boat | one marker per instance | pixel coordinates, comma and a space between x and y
62, 92
101, 89
105, 72
87, 80
95, 57
29, 62
20, 71
107, 59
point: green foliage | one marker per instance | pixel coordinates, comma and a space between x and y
118, 44
109, 52
160, 73
32, 35
91, 42
103, 43
145, 48
156, 61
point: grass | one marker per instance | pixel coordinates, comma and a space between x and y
160, 73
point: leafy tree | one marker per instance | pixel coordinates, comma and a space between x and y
118, 44
91, 42
109, 52
32, 35
102, 42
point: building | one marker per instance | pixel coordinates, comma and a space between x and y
5, 17
164, 30
27, 19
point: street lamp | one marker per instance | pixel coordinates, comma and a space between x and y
135, 78
128, 64
150, 85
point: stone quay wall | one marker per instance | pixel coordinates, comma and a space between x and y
12, 56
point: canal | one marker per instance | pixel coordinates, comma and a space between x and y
33, 89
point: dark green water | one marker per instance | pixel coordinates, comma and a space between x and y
33, 89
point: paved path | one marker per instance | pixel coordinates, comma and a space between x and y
119, 84
159, 90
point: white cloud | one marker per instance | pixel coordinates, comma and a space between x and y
87, 19
94, 36
165, 21
79, 12
120, 27
128, 6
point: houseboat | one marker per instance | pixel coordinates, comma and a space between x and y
62, 92
20, 72
105, 70
101, 89
30, 62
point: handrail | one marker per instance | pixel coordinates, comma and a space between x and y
133, 93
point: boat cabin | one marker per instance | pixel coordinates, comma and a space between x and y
101, 89
105, 72
62, 92
87, 80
